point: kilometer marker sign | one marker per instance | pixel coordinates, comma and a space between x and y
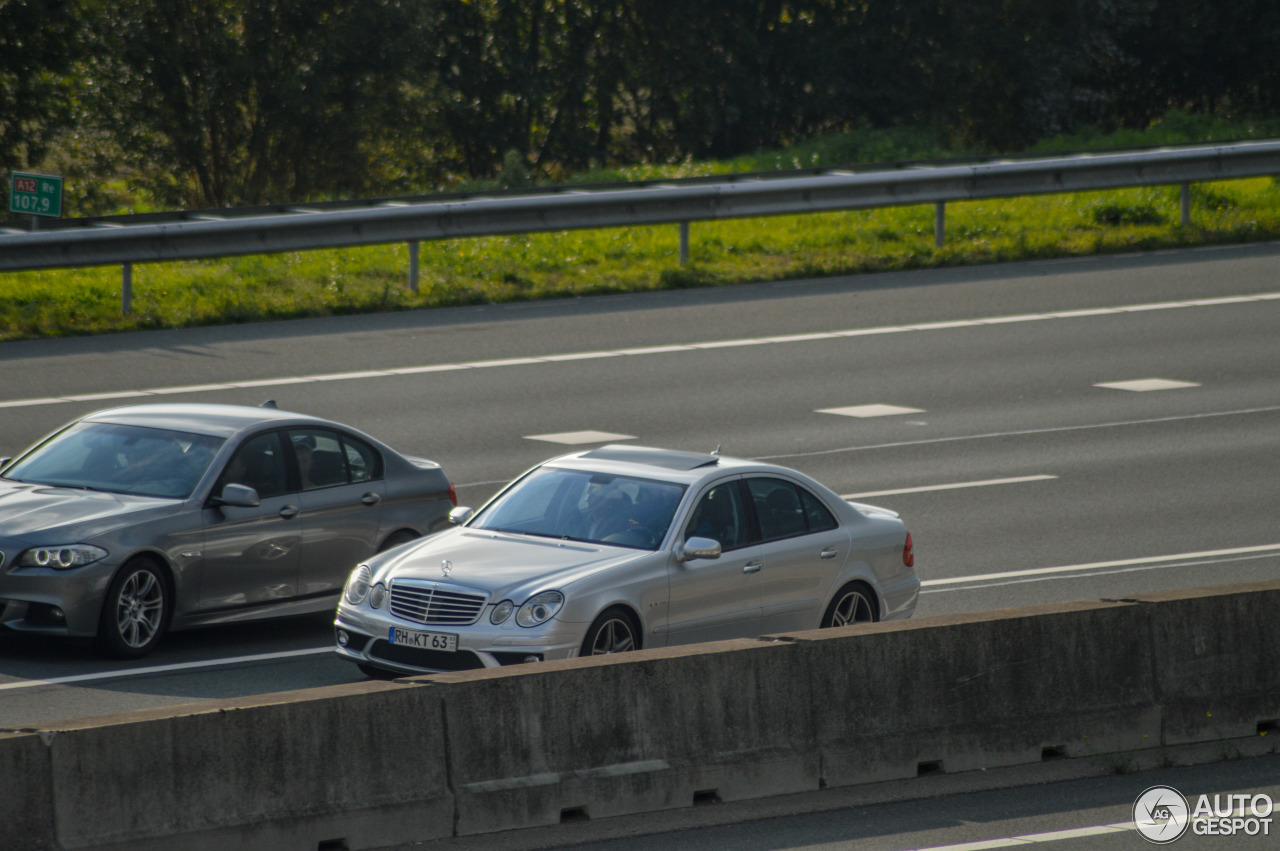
35, 194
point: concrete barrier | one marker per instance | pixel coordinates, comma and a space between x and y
371, 765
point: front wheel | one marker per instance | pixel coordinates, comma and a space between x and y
854, 603
136, 610
614, 631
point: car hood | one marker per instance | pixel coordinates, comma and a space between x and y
28, 511
502, 564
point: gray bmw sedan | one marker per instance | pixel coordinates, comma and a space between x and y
130, 522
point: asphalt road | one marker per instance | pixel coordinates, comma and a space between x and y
1022, 479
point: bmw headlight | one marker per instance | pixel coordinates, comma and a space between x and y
540, 608
358, 585
61, 557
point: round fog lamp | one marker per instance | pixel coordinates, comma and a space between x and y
343, 638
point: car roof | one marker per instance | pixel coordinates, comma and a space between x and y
650, 462
215, 420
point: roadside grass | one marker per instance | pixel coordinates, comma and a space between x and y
65, 302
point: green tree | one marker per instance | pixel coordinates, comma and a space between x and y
220, 102
40, 42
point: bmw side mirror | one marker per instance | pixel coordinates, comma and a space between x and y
238, 496
697, 547
460, 515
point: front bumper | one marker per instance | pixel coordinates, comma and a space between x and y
363, 636
54, 602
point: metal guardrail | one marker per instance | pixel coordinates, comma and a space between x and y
304, 229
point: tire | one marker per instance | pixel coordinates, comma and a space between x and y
615, 631
853, 603
136, 612
395, 539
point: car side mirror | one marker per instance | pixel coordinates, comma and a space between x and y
697, 547
460, 515
238, 496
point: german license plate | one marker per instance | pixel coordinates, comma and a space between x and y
424, 640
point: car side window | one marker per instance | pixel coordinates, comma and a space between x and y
363, 461
258, 463
326, 458
721, 515
786, 510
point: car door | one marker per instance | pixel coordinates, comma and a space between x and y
804, 548
251, 554
713, 599
341, 496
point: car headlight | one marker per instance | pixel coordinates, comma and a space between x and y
378, 596
358, 585
501, 612
540, 608
61, 557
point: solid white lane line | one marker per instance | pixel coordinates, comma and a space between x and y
1036, 838
1100, 565
955, 486
637, 352
1026, 580
165, 669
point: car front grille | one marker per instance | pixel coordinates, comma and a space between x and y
436, 604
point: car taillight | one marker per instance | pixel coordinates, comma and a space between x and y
453, 495
908, 557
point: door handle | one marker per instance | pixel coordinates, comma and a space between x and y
752, 567
289, 512
371, 499
829, 552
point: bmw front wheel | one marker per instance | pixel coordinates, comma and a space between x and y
136, 610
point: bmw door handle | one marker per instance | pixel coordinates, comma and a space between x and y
371, 499
752, 567
289, 512
829, 552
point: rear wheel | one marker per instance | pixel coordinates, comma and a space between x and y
136, 610
615, 631
395, 539
854, 603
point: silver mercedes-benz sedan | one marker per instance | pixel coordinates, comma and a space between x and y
130, 522
624, 547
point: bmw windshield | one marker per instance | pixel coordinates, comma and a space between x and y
119, 459
580, 505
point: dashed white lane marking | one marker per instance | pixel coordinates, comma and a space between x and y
573, 438
166, 669
650, 350
1144, 385
867, 411
956, 486
1100, 565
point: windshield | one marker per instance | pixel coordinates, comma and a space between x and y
577, 505
119, 459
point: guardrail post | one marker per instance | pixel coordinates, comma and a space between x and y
939, 223
684, 243
413, 265
1186, 204
126, 289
